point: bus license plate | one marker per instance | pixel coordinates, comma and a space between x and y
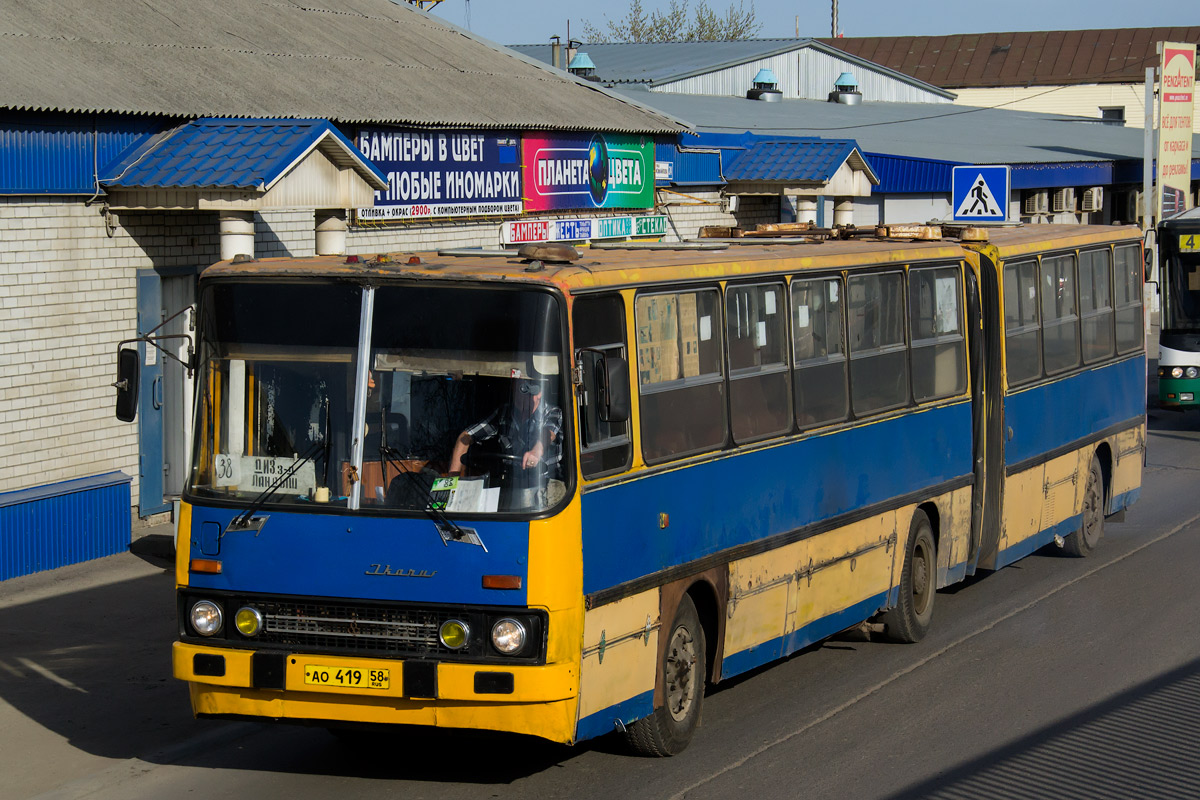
347, 677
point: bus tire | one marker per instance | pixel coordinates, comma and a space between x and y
669, 729
1082, 542
910, 619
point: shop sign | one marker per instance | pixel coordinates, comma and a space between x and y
442, 174
581, 230
1175, 109
598, 171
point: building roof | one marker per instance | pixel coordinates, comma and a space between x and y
1019, 58
926, 139
657, 63
749, 157
351, 61
253, 154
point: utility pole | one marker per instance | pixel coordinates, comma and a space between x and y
834, 29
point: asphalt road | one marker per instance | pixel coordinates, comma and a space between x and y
1055, 677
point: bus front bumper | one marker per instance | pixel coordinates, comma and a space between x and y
536, 700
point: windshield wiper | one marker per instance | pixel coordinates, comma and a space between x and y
447, 528
246, 521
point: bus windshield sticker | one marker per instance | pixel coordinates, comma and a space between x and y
255, 473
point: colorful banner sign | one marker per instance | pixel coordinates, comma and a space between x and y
442, 174
582, 230
1175, 111
597, 171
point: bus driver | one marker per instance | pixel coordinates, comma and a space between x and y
525, 428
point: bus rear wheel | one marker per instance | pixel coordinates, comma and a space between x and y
1082, 542
669, 729
909, 621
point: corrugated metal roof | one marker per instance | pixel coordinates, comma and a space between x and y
750, 157
664, 62
352, 61
1020, 58
57, 153
233, 154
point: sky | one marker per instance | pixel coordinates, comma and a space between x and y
535, 21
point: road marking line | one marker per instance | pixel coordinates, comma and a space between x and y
50, 676
828, 715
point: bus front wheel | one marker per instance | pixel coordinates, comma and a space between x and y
669, 729
1082, 542
909, 621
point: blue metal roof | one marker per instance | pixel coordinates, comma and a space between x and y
692, 167
750, 157
44, 154
231, 154
903, 175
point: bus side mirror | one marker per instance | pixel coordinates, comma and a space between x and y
128, 374
616, 390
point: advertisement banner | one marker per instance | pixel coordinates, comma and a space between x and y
597, 171
442, 174
1175, 109
577, 230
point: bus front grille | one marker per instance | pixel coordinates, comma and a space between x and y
351, 628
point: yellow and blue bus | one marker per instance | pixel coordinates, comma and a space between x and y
1179, 334
558, 495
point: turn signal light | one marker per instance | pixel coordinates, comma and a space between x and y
502, 581
205, 565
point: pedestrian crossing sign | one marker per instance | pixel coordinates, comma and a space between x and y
980, 194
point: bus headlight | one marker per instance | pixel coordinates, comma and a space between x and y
1177, 372
206, 617
1192, 372
249, 621
455, 634
508, 636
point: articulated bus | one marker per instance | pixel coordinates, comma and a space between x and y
1179, 336
559, 496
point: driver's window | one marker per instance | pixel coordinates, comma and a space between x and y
599, 323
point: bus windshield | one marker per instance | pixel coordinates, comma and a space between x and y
1182, 284
459, 401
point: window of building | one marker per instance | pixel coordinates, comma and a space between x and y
680, 377
1022, 328
939, 350
1127, 289
599, 323
819, 349
878, 353
1060, 316
1095, 305
1113, 116
756, 335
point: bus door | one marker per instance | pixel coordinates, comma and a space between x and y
985, 325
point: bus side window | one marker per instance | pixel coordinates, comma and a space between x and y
599, 323
1127, 284
819, 349
939, 351
680, 373
1060, 320
1095, 305
756, 335
1022, 326
878, 353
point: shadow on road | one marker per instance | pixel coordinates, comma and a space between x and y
1140, 744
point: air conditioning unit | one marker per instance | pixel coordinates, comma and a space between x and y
1064, 201
1093, 199
1036, 203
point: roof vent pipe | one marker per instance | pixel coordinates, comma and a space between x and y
845, 90
555, 52
583, 67
766, 87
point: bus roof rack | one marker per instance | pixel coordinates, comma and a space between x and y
686, 244
807, 233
